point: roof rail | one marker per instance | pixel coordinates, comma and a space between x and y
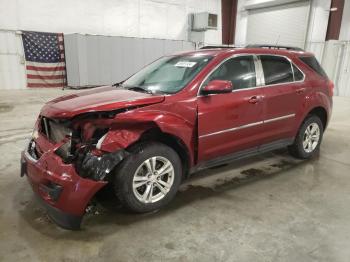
276, 47
215, 46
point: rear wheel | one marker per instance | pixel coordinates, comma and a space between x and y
149, 178
308, 139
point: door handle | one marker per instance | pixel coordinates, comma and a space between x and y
300, 90
254, 99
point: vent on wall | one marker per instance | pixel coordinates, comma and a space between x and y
204, 21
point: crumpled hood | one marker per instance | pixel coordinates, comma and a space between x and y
95, 100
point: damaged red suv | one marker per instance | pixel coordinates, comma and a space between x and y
178, 115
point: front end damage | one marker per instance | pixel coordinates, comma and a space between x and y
66, 166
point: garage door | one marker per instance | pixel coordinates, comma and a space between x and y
283, 24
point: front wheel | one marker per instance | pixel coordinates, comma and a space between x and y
149, 178
308, 139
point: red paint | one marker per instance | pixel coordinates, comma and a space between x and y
218, 86
186, 116
99, 99
77, 191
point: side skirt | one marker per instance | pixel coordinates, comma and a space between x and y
242, 154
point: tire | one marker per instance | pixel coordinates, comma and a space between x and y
142, 169
301, 147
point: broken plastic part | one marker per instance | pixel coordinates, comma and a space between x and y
98, 167
100, 141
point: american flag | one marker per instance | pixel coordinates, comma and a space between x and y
45, 61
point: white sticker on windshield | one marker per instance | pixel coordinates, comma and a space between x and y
185, 64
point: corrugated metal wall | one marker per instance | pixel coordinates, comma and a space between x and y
12, 64
334, 56
101, 60
337, 61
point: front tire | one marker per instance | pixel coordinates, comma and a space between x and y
149, 178
308, 140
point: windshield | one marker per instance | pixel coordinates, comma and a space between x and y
168, 74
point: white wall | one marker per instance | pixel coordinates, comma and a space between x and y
241, 24
319, 13
166, 19
318, 22
345, 22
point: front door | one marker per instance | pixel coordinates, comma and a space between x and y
231, 122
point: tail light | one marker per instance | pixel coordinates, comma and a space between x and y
330, 85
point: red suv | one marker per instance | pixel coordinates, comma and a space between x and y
178, 115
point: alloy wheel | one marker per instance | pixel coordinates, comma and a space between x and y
311, 137
153, 179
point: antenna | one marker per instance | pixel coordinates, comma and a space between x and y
278, 39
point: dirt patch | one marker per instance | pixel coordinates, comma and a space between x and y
4, 108
252, 172
282, 164
170, 246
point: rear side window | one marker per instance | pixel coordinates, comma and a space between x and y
276, 70
298, 75
312, 62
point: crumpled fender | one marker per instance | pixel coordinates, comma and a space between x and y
132, 125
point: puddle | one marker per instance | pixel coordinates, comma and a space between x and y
283, 164
4, 108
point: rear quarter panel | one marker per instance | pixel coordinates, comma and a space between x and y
316, 95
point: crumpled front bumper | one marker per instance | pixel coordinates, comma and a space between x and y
62, 191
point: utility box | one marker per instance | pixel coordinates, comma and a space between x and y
204, 21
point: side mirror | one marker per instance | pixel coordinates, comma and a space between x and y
218, 87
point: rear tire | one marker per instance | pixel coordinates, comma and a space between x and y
308, 140
148, 178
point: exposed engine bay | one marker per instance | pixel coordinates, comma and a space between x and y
79, 140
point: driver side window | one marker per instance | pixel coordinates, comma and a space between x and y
239, 70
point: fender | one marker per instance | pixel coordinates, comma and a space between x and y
312, 101
131, 125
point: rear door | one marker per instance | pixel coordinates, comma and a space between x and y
231, 122
283, 88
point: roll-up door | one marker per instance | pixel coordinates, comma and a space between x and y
284, 24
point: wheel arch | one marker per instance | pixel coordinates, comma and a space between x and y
321, 112
157, 135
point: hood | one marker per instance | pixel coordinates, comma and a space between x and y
95, 100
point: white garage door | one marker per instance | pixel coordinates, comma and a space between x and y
283, 24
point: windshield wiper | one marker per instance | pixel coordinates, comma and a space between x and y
118, 84
139, 89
